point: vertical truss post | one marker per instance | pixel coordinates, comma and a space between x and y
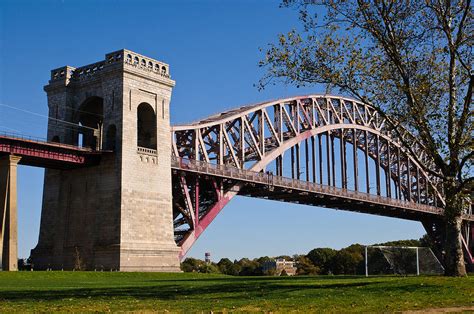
276, 120
418, 186
320, 144
306, 154
280, 161
298, 171
313, 159
399, 174
388, 172
280, 121
8, 213
293, 114
261, 132
328, 156
221, 144
366, 155
427, 201
333, 161
377, 167
342, 144
395, 190
356, 160
242, 143
277, 166
307, 159
196, 144
292, 162
297, 116
408, 179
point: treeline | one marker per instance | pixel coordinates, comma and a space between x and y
319, 261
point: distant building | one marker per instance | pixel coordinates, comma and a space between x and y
280, 265
207, 257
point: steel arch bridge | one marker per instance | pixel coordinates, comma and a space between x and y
317, 150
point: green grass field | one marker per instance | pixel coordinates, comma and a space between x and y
104, 291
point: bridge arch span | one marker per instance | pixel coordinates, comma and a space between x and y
214, 158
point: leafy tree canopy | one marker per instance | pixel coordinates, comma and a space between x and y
412, 60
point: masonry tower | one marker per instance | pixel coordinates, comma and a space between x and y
117, 215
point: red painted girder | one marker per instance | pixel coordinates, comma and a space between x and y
48, 155
42, 153
189, 240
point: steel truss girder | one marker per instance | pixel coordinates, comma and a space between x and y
250, 138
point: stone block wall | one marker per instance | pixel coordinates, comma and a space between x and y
117, 215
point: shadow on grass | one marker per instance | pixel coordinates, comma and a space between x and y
273, 289
262, 278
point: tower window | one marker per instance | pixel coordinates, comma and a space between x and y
146, 126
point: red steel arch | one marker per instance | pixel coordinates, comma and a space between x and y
227, 154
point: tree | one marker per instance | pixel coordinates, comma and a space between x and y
411, 242
227, 267
322, 258
208, 268
248, 267
194, 265
304, 266
411, 60
348, 261
190, 265
426, 241
285, 257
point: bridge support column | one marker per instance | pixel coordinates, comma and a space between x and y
8, 213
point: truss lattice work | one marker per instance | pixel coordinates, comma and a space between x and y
335, 145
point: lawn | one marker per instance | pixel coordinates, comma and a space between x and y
104, 291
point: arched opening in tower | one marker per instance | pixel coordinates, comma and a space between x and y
90, 117
146, 126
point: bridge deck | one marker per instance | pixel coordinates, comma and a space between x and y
312, 193
38, 153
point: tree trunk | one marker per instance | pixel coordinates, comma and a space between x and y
453, 256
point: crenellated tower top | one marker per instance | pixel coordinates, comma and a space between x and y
122, 59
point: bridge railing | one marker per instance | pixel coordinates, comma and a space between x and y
20, 136
272, 180
145, 150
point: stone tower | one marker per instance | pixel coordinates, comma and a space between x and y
118, 214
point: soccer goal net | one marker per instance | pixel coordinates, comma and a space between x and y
401, 260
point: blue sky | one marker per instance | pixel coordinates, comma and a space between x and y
213, 50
